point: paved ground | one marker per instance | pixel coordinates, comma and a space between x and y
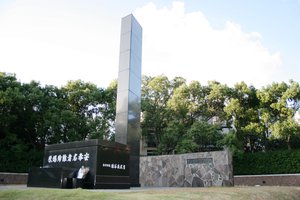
5, 187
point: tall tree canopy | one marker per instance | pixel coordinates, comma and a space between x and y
257, 118
177, 116
32, 116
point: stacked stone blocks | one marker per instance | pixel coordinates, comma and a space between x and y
187, 170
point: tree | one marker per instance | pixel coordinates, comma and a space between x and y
231, 141
105, 114
242, 109
19, 120
188, 103
202, 136
286, 130
279, 104
170, 138
94, 109
11, 103
186, 106
216, 100
157, 111
156, 92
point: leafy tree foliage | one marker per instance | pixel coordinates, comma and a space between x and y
32, 116
202, 136
258, 120
242, 109
231, 141
170, 110
156, 92
279, 104
177, 117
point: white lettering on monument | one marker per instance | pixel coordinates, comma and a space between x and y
81, 157
114, 166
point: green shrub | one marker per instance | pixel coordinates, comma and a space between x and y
18, 162
274, 162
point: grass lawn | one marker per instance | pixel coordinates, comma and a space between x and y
230, 193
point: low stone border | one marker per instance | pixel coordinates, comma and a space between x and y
13, 178
268, 180
245, 180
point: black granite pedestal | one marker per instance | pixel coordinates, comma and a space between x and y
108, 164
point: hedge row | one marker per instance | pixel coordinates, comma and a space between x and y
20, 162
274, 162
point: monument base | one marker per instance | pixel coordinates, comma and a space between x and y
107, 164
48, 177
135, 185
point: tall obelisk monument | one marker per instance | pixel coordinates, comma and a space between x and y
129, 93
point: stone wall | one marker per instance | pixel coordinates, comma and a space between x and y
187, 170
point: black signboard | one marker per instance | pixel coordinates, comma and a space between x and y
108, 163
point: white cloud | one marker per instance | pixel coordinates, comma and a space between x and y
176, 43
53, 42
56, 41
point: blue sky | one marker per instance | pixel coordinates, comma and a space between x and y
256, 41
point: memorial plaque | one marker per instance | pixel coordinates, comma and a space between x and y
200, 161
108, 164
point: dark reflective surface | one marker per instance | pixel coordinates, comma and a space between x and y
124, 60
123, 81
133, 86
121, 128
135, 65
129, 92
48, 177
125, 42
103, 158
